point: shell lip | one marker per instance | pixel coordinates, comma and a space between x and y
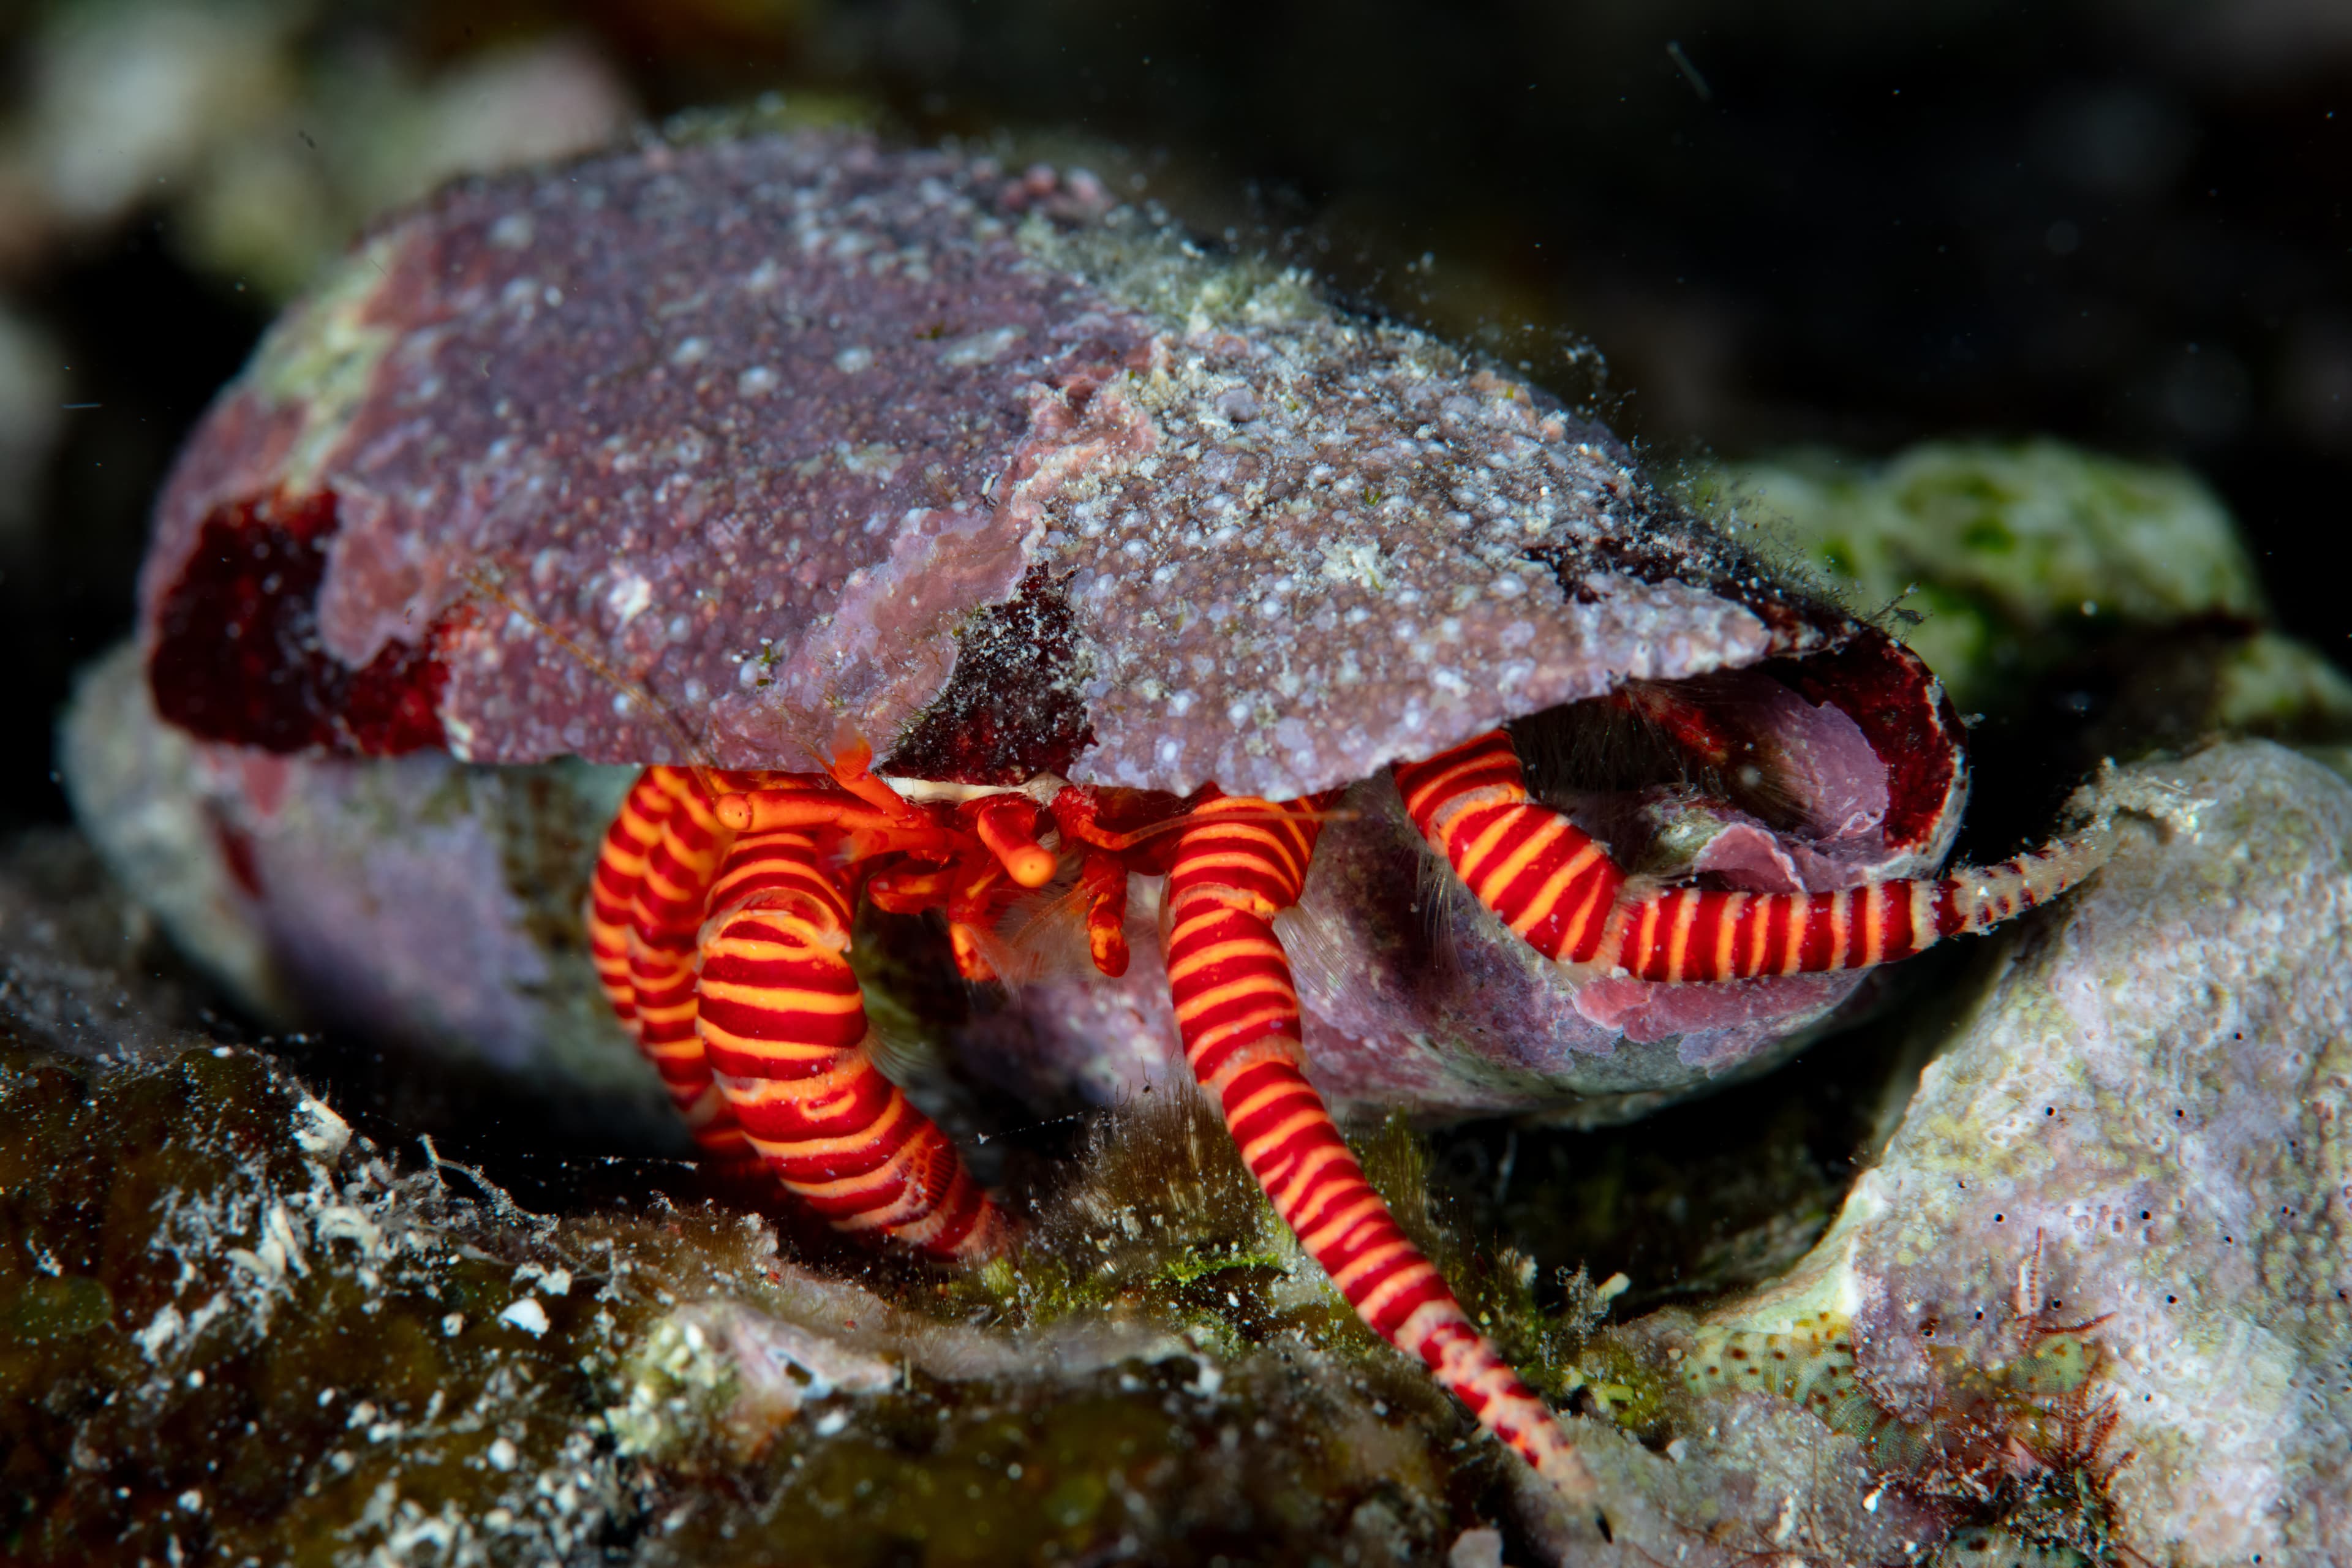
1794, 774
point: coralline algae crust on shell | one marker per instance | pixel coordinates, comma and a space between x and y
813, 439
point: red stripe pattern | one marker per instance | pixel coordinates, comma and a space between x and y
1550, 882
612, 888
665, 920
1681, 934
1236, 863
1547, 878
723, 952
784, 1027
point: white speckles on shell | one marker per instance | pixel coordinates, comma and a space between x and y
1353, 541
627, 597
727, 380
511, 232
980, 348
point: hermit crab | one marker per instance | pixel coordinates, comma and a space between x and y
1227, 671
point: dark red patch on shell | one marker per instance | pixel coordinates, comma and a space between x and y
1014, 706
237, 656
1885, 688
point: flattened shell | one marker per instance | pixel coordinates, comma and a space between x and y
811, 440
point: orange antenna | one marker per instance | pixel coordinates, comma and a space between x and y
485, 581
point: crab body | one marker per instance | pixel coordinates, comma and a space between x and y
960, 539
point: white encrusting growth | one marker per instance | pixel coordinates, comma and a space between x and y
320, 1133
1355, 543
279, 1236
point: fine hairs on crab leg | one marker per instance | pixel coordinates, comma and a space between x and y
1237, 862
783, 1025
1550, 882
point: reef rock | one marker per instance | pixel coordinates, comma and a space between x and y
2012, 555
234, 1328
2094, 1301
2036, 575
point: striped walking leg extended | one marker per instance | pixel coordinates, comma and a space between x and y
1236, 863
1547, 878
1550, 882
784, 1027
1689, 934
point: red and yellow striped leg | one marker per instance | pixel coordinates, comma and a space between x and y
1550, 882
1681, 934
665, 916
783, 1025
1544, 877
1236, 863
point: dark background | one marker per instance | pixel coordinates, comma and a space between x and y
1785, 221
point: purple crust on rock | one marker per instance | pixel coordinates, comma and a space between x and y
777, 429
